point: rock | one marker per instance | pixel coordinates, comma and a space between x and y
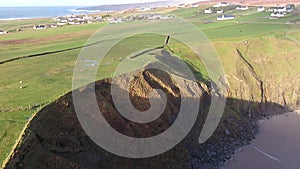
227, 132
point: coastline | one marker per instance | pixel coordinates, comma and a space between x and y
17, 13
274, 147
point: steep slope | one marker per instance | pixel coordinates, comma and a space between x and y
55, 139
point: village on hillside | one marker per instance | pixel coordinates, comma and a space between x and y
222, 7
222, 10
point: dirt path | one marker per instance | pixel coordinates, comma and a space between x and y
277, 145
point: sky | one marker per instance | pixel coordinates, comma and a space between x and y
17, 3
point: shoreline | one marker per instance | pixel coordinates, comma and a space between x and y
273, 146
61, 11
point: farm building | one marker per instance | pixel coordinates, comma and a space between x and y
225, 17
3, 32
290, 7
261, 9
208, 11
39, 27
278, 14
280, 9
242, 8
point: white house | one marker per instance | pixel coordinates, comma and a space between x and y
261, 9
278, 14
195, 5
242, 8
39, 27
225, 17
3, 32
280, 9
208, 11
221, 4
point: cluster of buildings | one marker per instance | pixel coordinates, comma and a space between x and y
277, 12
219, 8
213, 10
141, 17
76, 20
148, 17
69, 20
187, 5
143, 9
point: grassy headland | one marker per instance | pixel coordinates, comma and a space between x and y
271, 46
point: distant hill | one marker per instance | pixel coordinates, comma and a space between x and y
129, 6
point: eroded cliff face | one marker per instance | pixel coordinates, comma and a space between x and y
55, 138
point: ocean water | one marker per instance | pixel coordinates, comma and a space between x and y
12, 13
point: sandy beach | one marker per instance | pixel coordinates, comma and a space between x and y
276, 147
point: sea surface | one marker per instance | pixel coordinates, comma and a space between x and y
13, 13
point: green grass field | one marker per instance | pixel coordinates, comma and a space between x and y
45, 78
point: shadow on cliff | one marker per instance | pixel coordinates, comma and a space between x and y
55, 138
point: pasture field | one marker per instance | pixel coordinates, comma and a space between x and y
45, 78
